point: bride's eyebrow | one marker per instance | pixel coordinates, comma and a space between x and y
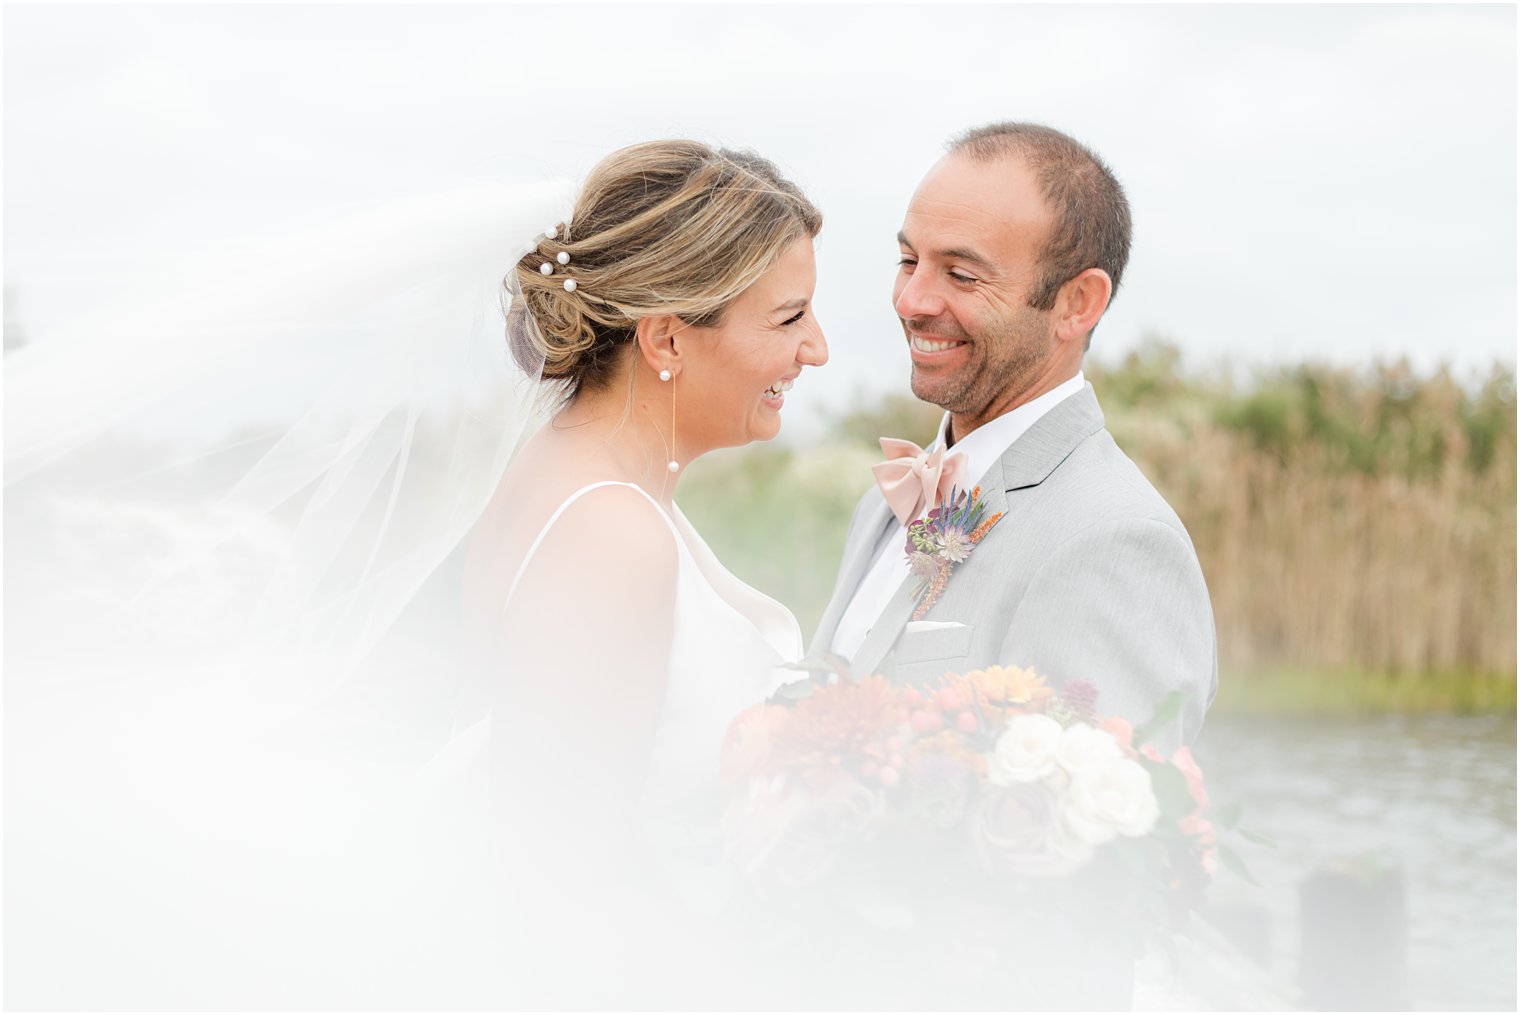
796, 304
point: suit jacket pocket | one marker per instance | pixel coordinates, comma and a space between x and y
939, 643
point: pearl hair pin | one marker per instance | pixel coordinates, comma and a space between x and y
546, 268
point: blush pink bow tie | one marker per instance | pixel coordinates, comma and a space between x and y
912, 478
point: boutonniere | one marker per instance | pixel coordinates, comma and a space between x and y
942, 539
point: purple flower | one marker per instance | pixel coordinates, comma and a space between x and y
1080, 698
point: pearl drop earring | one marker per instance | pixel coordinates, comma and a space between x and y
672, 465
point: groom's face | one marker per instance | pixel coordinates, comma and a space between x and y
969, 248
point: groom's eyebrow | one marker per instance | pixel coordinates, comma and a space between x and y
954, 254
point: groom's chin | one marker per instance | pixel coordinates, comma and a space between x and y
927, 385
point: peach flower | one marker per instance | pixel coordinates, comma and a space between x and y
1183, 760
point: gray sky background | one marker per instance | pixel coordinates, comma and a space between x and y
1307, 182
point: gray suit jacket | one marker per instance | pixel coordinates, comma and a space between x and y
1089, 574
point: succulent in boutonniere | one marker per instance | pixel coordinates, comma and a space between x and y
942, 539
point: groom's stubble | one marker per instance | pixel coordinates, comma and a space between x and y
1006, 360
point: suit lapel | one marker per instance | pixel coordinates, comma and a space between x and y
859, 558
1027, 462
1054, 436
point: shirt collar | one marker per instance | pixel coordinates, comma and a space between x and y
986, 444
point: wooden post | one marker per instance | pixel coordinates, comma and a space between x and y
1354, 940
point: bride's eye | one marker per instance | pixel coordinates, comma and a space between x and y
799, 315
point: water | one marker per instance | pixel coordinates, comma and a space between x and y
1431, 796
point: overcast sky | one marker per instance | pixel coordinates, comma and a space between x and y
1333, 183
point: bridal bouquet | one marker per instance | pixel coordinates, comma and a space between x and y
992, 771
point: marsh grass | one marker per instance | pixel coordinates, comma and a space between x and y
1348, 692
1357, 528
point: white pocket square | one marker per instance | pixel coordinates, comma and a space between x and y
914, 626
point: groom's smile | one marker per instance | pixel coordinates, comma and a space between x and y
936, 346
929, 345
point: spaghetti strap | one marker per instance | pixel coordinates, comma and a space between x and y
544, 532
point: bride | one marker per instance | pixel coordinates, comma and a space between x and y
214, 669
675, 313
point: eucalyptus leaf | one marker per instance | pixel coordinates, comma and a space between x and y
824, 662
1257, 837
1168, 710
1171, 790
1236, 865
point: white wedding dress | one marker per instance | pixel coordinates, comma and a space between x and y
728, 651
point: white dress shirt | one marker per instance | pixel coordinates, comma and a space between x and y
982, 448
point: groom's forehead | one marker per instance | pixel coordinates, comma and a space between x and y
994, 202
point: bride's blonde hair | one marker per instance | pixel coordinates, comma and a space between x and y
663, 227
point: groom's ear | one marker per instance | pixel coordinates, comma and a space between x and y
1081, 301
658, 342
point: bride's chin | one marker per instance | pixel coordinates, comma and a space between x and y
767, 429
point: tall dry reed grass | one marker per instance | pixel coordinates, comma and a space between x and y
1345, 519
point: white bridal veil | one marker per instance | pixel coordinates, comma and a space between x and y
234, 716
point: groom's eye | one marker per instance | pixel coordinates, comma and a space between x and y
965, 279
906, 262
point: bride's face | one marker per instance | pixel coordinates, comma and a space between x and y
736, 375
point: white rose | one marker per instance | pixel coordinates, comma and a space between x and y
1085, 747
1113, 798
1026, 752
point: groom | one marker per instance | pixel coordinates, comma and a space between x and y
1011, 250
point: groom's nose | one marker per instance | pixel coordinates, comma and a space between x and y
916, 297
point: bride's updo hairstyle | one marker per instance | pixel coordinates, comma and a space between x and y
664, 227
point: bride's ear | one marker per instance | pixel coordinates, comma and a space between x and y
657, 344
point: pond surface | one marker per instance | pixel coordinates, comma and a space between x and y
1429, 797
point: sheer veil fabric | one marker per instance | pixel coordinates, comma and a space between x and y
236, 739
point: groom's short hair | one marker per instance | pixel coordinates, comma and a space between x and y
1092, 222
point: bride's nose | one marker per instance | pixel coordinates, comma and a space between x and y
814, 350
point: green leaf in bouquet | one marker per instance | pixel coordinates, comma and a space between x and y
1236, 865
1257, 837
1171, 789
1228, 816
792, 692
820, 664
1168, 710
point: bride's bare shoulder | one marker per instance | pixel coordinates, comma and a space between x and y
608, 552
581, 521
574, 495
